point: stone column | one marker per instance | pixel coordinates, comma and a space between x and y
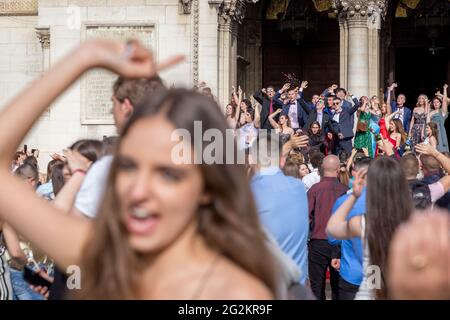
358, 57
230, 13
43, 34
360, 21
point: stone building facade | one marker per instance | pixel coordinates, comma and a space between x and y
223, 41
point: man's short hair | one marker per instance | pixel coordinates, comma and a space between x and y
341, 89
362, 163
316, 159
136, 89
429, 163
410, 165
337, 98
27, 171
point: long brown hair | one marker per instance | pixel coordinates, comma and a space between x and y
229, 224
434, 130
386, 210
399, 128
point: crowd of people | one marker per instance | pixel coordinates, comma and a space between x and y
354, 190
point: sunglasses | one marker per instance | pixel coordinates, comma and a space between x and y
336, 103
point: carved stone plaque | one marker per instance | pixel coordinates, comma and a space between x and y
97, 84
18, 7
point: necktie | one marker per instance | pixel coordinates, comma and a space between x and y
271, 106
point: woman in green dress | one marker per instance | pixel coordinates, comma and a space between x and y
363, 137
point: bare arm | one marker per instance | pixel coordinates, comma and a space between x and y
433, 142
411, 125
388, 100
389, 117
428, 149
13, 245
237, 115
445, 101
273, 123
60, 236
338, 227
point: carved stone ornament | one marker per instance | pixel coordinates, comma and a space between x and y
43, 34
372, 11
232, 9
186, 6
18, 7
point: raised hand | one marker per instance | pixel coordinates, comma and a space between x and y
304, 84
76, 161
427, 149
299, 141
130, 60
286, 86
392, 86
358, 183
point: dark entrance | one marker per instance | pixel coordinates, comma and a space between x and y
417, 41
295, 38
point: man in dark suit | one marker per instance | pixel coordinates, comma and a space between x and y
344, 119
327, 124
266, 98
405, 113
341, 93
292, 109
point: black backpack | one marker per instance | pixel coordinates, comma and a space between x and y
420, 193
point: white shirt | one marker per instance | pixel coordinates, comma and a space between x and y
293, 116
91, 192
401, 113
311, 179
319, 118
336, 116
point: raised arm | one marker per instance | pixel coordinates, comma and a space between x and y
273, 123
441, 158
388, 99
304, 105
238, 100
356, 105
338, 226
78, 165
445, 101
60, 236
259, 96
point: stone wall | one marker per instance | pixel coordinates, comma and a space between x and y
168, 31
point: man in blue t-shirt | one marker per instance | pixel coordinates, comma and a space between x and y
351, 266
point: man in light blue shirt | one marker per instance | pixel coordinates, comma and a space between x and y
283, 210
